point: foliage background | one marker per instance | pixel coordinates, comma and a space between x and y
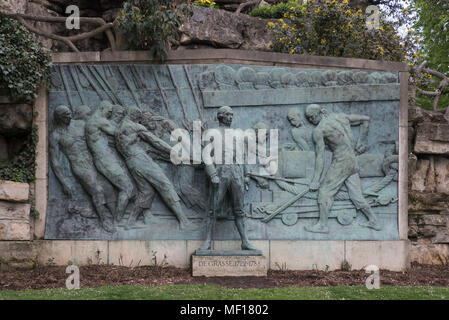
432, 31
151, 24
334, 28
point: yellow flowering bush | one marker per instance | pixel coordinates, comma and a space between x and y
205, 3
334, 28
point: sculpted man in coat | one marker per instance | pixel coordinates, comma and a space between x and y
227, 179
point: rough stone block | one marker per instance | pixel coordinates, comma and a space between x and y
442, 175
14, 211
419, 175
229, 266
426, 202
431, 139
14, 191
430, 253
14, 230
434, 220
441, 237
440, 132
221, 28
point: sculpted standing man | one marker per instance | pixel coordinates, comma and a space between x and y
69, 136
147, 173
97, 129
334, 130
227, 178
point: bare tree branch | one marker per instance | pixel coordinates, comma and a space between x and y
49, 35
444, 82
247, 4
105, 27
427, 93
98, 21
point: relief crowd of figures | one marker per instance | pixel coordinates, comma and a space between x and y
84, 141
246, 78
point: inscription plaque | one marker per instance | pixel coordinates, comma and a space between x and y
229, 266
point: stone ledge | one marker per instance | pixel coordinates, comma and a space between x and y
291, 254
76, 57
14, 191
228, 56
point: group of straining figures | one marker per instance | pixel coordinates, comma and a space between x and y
84, 141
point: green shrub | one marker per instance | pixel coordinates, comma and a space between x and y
150, 24
333, 28
278, 10
24, 63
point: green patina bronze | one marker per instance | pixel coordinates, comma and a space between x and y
110, 174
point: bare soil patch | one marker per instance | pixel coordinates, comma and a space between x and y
49, 277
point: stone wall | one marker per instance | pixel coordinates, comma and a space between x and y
16, 248
14, 211
429, 185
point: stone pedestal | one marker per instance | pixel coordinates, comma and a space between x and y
229, 266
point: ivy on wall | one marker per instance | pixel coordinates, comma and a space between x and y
22, 167
24, 63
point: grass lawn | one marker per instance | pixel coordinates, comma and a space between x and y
205, 292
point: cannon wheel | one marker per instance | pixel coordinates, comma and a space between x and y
346, 217
289, 219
